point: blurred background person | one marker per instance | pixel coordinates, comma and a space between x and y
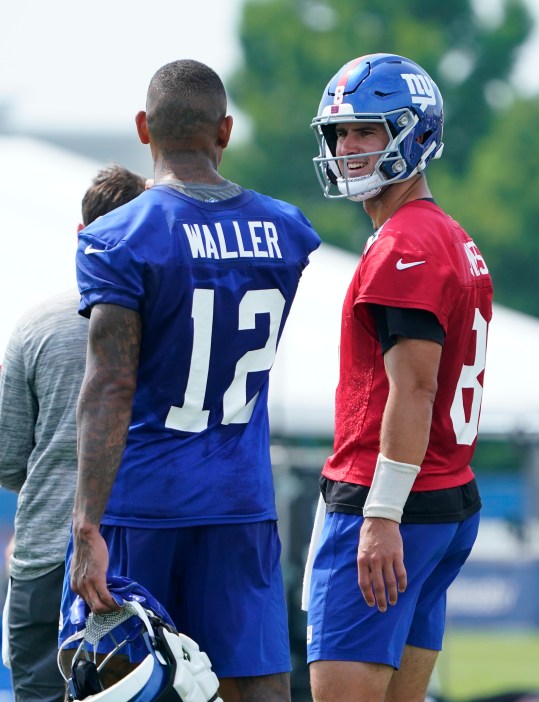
39, 386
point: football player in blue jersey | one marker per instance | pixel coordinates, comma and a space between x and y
188, 289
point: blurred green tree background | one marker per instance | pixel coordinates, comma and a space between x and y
485, 179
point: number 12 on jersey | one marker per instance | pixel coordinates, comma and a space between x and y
191, 416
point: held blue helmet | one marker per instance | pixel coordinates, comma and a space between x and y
385, 89
172, 668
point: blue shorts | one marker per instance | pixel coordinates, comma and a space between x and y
221, 584
340, 624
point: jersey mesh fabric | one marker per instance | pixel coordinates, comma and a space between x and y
213, 283
422, 259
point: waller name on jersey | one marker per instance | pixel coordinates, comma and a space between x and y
233, 239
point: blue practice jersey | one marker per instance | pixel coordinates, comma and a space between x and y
213, 283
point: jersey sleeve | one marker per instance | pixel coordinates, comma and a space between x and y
392, 322
108, 273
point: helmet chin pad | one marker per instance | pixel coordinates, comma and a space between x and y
361, 188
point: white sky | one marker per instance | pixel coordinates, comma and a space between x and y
70, 65
73, 65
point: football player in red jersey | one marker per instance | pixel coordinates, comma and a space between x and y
412, 360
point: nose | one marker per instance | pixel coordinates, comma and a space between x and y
349, 144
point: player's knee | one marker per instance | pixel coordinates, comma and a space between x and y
270, 688
349, 681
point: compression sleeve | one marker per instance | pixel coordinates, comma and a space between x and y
410, 323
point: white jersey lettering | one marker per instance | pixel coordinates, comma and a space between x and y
224, 240
211, 246
477, 262
222, 243
272, 240
194, 237
253, 226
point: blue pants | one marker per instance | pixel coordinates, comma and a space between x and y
221, 584
340, 624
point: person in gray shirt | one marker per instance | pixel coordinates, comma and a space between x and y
40, 380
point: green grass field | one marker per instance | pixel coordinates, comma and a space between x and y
481, 663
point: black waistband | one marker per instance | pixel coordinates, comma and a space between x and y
428, 507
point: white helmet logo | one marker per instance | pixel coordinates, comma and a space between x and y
421, 90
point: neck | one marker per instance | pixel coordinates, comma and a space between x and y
393, 197
189, 167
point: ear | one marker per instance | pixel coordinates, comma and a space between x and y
79, 227
223, 134
142, 127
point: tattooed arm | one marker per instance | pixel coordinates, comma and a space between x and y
103, 417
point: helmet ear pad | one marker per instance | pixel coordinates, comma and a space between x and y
330, 172
191, 668
329, 132
330, 135
84, 679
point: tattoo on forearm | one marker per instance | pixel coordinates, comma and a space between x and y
104, 408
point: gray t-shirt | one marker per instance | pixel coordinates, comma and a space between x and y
40, 382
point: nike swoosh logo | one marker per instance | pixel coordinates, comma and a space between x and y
90, 249
401, 265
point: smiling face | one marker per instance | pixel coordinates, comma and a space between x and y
360, 138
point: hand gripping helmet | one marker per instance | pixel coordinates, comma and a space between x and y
392, 91
173, 668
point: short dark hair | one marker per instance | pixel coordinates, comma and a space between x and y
184, 96
111, 187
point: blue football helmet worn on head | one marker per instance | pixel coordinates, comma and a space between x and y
174, 668
386, 89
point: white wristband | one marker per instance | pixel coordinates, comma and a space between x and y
390, 488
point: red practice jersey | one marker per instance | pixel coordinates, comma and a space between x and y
419, 259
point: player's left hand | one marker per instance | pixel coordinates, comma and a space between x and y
380, 562
88, 571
